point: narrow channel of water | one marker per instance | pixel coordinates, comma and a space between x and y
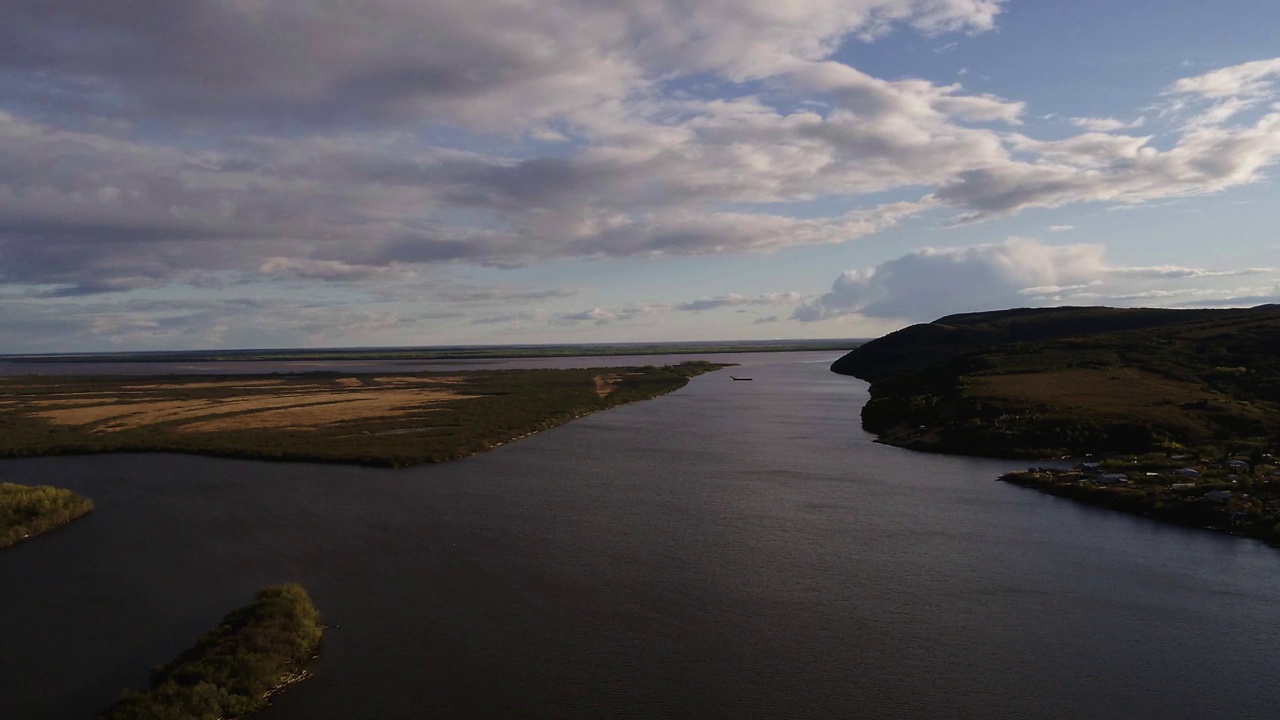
735, 549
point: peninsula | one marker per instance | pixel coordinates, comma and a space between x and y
1177, 412
375, 419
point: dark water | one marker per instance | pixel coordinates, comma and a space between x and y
731, 550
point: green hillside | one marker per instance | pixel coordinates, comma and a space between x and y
1074, 381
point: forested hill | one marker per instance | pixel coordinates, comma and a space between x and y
1075, 380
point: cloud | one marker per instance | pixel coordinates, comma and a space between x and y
595, 315
1172, 271
148, 144
310, 269
1115, 168
606, 316
102, 324
738, 301
471, 295
1251, 80
932, 282
511, 318
1208, 155
309, 155
484, 62
601, 316
1106, 124
1213, 98
1265, 297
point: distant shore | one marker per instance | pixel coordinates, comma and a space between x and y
428, 354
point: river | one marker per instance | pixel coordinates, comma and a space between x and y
733, 549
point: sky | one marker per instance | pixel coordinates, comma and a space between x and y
291, 173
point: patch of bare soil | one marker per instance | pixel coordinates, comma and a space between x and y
606, 384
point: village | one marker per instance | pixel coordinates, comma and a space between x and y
1236, 495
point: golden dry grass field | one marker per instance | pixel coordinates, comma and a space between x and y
257, 405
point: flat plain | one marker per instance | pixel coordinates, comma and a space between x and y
380, 419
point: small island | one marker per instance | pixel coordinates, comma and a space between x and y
27, 511
389, 420
255, 652
1176, 412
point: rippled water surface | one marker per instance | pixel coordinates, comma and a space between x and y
730, 550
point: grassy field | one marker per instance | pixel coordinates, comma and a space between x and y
1121, 396
254, 652
387, 420
27, 511
1076, 381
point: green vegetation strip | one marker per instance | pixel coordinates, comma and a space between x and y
27, 511
384, 419
256, 651
1235, 496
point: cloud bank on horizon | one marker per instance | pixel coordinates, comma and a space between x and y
220, 172
1016, 273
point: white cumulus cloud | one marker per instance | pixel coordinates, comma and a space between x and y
932, 282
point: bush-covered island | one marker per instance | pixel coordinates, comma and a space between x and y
392, 419
27, 511
1178, 411
256, 651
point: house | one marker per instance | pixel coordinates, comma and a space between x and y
1218, 496
1111, 479
1237, 465
1091, 468
1182, 486
1187, 473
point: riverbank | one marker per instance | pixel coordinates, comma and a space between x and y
27, 511
254, 653
386, 420
1233, 496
